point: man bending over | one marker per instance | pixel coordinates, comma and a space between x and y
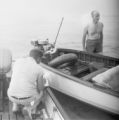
26, 86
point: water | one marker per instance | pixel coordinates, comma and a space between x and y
28, 20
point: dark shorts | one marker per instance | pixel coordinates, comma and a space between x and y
93, 46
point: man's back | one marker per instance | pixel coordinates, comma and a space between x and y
24, 77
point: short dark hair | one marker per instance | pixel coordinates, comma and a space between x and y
35, 53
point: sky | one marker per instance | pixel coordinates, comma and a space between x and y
24, 20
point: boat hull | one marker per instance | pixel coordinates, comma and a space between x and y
81, 90
60, 106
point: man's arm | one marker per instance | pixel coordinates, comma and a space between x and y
40, 83
84, 37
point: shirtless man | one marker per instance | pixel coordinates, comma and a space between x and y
93, 34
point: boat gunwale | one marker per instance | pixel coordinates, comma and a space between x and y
60, 109
79, 80
87, 53
99, 56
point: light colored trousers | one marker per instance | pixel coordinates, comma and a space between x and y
31, 102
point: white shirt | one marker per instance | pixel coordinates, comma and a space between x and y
25, 74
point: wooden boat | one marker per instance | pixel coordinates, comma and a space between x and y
71, 95
74, 78
59, 106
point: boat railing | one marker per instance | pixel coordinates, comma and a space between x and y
90, 57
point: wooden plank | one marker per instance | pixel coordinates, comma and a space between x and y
0, 106
20, 117
1, 95
5, 116
6, 105
11, 115
79, 70
0, 117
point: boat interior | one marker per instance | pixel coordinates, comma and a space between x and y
83, 69
85, 66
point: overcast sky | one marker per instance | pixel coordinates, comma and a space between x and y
24, 20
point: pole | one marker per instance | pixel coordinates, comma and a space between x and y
58, 31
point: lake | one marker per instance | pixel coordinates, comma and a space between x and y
26, 20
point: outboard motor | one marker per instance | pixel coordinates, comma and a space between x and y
5, 67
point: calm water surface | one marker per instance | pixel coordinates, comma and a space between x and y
28, 20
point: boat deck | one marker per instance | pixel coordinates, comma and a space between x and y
5, 104
7, 113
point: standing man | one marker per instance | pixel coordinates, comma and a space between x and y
93, 34
26, 86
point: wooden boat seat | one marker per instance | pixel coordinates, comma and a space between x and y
79, 70
91, 75
95, 66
